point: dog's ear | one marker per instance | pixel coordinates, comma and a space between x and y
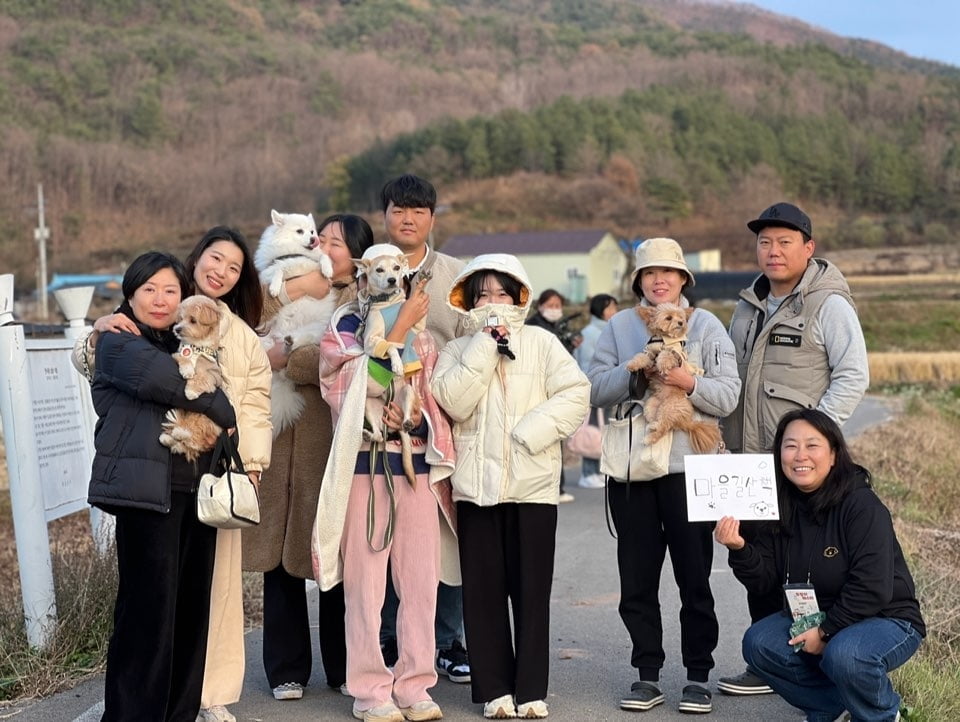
208, 313
276, 217
361, 263
689, 311
646, 312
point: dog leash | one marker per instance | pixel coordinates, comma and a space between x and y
380, 448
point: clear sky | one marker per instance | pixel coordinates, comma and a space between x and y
922, 28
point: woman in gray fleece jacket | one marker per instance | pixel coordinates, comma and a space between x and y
651, 516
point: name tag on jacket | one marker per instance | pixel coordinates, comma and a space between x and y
784, 339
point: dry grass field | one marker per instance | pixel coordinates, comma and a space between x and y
914, 461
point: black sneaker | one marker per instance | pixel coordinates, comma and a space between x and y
695, 700
453, 663
643, 696
744, 684
388, 648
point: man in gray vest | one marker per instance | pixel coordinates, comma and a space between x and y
799, 344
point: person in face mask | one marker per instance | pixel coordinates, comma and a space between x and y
549, 315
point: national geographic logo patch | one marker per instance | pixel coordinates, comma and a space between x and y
784, 339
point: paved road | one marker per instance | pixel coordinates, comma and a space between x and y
590, 650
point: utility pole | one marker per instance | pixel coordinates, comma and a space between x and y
41, 233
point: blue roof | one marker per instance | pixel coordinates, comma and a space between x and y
69, 280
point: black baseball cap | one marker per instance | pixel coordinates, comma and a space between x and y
785, 215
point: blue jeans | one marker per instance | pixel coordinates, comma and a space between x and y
589, 466
850, 675
448, 624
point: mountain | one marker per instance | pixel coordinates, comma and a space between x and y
147, 123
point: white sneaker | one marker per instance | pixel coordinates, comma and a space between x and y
565, 498
217, 713
591, 481
500, 708
288, 690
422, 711
386, 712
532, 710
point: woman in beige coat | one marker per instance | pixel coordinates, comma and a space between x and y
221, 268
280, 546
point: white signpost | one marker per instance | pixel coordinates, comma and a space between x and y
48, 426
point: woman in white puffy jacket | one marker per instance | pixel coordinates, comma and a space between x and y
514, 392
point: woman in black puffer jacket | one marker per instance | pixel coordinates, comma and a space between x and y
164, 554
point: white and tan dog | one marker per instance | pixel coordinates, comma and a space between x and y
289, 247
198, 328
385, 267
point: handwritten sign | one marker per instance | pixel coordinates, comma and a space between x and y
738, 485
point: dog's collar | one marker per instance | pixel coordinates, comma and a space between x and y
381, 297
189, 349
291, 255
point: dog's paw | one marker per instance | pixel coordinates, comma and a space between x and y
276, 285
181, 434
639, 362
167, 440
408, 425
326, 266
667, 360
191, 393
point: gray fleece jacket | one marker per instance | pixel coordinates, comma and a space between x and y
708, 346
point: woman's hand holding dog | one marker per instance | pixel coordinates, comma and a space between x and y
393, 416
679, 377
728, 533
278, 354
413, 310
313, 284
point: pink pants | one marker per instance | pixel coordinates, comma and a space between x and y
414, 556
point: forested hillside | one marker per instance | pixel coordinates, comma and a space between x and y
147, 122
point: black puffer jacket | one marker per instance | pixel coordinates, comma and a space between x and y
135, 384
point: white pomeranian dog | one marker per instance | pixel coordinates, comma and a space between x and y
289, 247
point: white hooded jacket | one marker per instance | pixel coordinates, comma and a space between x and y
509, 415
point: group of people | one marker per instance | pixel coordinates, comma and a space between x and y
416, 568
789, 371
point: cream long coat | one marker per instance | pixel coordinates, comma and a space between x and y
247, 377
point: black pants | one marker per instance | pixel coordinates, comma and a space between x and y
156, 655
760, 606
651, 517
287, 648
506, 553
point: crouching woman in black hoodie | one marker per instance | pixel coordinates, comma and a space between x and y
836, 539
164, 554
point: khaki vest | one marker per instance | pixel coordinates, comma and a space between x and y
781, 367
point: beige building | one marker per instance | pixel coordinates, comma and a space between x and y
578, 264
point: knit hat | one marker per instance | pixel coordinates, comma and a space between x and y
660, 253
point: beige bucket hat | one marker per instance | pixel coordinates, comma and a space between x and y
660, 253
